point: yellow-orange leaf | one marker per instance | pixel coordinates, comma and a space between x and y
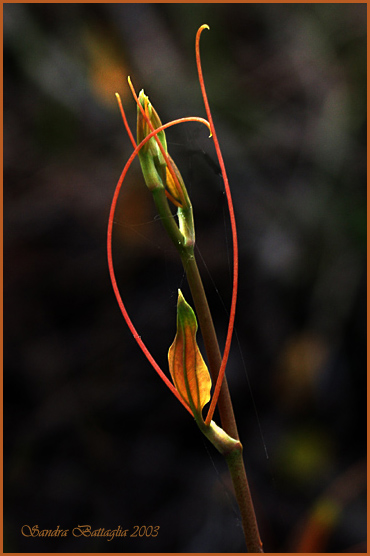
187, 367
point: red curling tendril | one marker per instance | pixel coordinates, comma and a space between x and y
110, 256
137, 148
230, 329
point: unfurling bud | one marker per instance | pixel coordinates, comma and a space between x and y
159, 170
157, 173
152, 161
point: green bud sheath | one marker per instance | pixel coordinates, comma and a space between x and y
152, 162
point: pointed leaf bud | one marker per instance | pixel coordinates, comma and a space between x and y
154, 166
152, 161
187, 367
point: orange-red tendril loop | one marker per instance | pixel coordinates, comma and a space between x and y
233, 231
110, 256
154, 133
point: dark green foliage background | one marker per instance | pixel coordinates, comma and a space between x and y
91, 435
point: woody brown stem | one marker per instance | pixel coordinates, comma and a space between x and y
234, 458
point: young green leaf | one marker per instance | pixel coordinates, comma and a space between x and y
187, 367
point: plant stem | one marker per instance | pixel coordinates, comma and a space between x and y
232, 450
234, 457
224, 405
236, 467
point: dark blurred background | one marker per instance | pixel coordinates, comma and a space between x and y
92, 436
